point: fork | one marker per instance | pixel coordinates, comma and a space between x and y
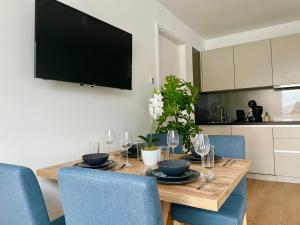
225, 164
120, 167
231, 163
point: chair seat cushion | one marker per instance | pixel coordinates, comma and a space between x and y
59, 221
231, 213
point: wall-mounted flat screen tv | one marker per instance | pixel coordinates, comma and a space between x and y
75, 47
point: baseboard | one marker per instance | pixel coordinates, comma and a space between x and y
295, 180
261, 177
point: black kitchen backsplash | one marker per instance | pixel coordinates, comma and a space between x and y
282, 105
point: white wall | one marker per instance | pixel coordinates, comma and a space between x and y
48, 122
254, 35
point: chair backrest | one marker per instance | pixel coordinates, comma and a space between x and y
229, 146
21, 201
163, 141
96, 197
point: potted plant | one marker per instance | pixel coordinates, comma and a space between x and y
151, 153
180, 98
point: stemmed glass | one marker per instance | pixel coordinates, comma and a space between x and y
173, 140
126, 143
202, 146
109, 138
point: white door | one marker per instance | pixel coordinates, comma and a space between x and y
171, 57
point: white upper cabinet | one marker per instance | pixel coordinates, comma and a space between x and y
218, 69
253, 65
286, 60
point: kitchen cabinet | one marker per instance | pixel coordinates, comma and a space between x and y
287, 157
286, 60
259, 148
253, 65
216, 130
218, 69
286, 132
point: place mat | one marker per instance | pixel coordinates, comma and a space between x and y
194, 159
105, 166
162, 176
187, 180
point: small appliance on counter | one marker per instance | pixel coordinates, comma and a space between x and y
267, 117
240, 115
256, 111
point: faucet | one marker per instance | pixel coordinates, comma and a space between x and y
223, 115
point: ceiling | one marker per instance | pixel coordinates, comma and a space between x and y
214, 18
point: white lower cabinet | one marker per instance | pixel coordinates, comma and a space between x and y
216, 130
274, 151
287, 164
286, 132
287, 157
259, 148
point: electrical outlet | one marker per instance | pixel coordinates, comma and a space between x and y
151, 80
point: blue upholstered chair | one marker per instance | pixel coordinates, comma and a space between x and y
21, 201
233, 210
163, 141
93, 197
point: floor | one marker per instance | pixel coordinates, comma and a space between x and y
272, 203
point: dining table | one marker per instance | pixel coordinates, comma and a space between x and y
210, 196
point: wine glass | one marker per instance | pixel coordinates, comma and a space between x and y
109, 138
126, 143
173, 140
202, 146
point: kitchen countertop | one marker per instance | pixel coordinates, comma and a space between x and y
251, 123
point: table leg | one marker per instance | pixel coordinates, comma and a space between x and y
177, 223
245, 220
165, 209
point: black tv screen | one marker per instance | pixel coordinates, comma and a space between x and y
73, 46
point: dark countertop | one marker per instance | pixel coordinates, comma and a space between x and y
252, 123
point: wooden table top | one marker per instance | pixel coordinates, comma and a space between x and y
210, 197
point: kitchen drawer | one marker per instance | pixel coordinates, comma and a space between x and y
287, 145
286, 132
287, 164
216, 130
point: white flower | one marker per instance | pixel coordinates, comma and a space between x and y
156, 105
181, 120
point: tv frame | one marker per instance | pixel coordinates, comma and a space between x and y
73, 81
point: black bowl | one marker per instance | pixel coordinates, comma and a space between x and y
173, 167
95, 159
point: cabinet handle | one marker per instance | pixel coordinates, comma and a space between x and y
285, 151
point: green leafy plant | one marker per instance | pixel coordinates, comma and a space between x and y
179, 99
149, 142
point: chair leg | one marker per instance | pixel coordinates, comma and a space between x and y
245, 220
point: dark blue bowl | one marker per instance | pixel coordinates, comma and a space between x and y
173, 167
95, 159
